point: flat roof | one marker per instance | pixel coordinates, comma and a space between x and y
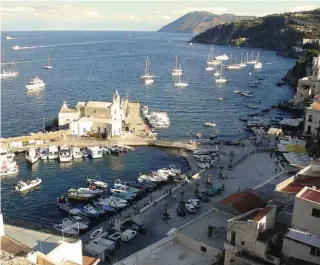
198, 229
310, 195
304, 236
98, 104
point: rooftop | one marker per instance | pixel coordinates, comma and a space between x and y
297, 185
98, 104
310, 194
262, 213
11, 246
304, 236
198, 229
67, 110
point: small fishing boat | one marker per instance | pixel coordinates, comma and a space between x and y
64, 204
44, 153
97, 183
53, 152
90, 190
95, 152
65, 153
96, 233
65, 230
76, 153
90, 211
220, 99
109, 202
48, 65
73, 194
67, 223
175, 170
76, 217
210, 124
27, 185
112, 198
149, 81
257, 64
32, 155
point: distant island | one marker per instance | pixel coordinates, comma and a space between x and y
200, 21
278, 32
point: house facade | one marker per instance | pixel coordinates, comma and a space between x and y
312, 119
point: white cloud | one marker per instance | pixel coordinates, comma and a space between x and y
304, 8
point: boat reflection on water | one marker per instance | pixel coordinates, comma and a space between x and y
66, 164
35, 167
116, 163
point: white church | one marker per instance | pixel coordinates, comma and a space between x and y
105, 118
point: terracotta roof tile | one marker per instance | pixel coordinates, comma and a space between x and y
262, 213
244, 202
86, 260
297, 185
311, 195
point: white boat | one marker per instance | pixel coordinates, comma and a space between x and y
65, 153
223, 57
48, 65
27, 185
149, 81
180, 84
252, 61
8, 167
7, 73
17, 47
90, 211
89, 191
258, 64
35, 83
221, 80
97, 183
64, 230
53, 152
209, 68
67, 223
147, 74
110, 202
5, 154
96, 233
32, 155
95, 152
177, 71
216, 74
76, 153
43, 153
220, 99
211, 124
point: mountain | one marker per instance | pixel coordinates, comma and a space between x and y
279, 32
200, 21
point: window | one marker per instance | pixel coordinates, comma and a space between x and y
233, 238
310, 118
316, 213
203, 249
309, 129
315, 251
242, 243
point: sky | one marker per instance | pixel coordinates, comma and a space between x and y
127, 15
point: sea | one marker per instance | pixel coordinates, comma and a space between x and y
91, 65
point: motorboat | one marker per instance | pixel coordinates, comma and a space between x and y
75, 217
95, 152
97, 183
120, 189
76, 153
177, 71
65, 153
8, 74
123, 195
250, 106
48, 65
110, 203
92, 190
210, 124
17, 47
64, 204
96, 233
125, 187
246, 94
204, 165
73, 194
147, 74
180, 84
65, 230
27, 185
67, 223
90, 211
32, 155
35, 83
220, 99
116, 199
43, 153
8, 167
5, 154
53, 152
104, 208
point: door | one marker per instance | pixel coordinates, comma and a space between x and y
233, 238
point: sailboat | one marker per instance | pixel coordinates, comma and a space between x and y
147, 74
180, 84
7, 73
236, 66
221, 80
242, 64
230, 66
211, 60
48, 66
257, 64
252, 61
177, 71
208, 66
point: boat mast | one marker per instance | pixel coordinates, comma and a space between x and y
241, 58
146, 69
176, 62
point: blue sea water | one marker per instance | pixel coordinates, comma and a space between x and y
90, 65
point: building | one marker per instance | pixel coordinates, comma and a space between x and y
308, 86
93, 116
302, 240
253, 238
312, 119
315, 42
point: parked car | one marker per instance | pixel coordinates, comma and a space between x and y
190, 208
128, 235
195, 202
130, 224
208, 192
181, 211
202, 197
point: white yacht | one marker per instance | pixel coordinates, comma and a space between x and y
43, 153
180, 84
147, 74
76, 153
27, 185
8, 167
32, 155
48, 65
257, 64
35, 83
65, 153
221, 79
53, 152
177, 71
95, 152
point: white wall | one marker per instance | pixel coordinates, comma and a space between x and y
314, 124
81, 127
66, 118
302, 217
292, 248
67, 251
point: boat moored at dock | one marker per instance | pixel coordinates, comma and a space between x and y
95, 152
32, 155
53, 152
65, 153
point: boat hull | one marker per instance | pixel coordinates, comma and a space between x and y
34, 87
32, 160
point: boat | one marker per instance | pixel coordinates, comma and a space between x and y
125, 187
242, 64
145, 110
76, 153
257, 64
236, 92
216, 74
64, 204
220, 99
84, 152
204, 165
65, 153
149, 81
111, 203
43, 153
175, 170
17, 47
35, 83
95, 152
147, 74
177, 71
90, 211
96, 233
7, 73
73, 194
27, 185
53, 152
75, 217
5, 154
223, 57
97, 183
65, 230
221, 80
250, 106
67, 223
252, 61
32, 155
8, 167
89, 190
246, 94
48, 65
210, 124
180, 84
